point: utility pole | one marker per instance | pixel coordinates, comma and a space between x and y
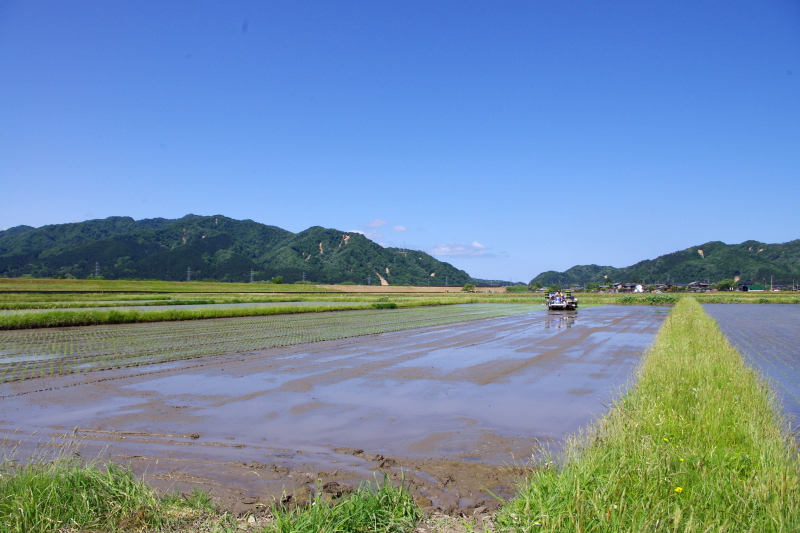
97, 269
369, 279
445, 280
251, 275
304, 275
189, 274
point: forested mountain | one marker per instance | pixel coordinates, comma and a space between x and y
751, 261
214, 247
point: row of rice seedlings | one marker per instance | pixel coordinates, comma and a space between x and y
102, 347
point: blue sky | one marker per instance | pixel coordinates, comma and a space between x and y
507, 138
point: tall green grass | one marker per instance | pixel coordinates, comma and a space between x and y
59, 491
697, 444
386, 509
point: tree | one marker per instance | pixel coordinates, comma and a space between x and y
277, 280
536, 285
553, 288
468, 287
592, 286
726, 285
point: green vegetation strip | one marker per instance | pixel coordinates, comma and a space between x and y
57, 491
32, 353
63, 493
389, 509
56, 319
697, 445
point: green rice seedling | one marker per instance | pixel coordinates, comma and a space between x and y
102, 347
383, 509
698, 444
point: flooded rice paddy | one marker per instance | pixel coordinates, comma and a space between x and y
769, 338
28, 354
456, 408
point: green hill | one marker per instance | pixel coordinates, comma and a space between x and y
750, 261
214, 247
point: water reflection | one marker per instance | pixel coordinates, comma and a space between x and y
560, 319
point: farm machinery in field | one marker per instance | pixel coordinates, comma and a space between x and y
557, 301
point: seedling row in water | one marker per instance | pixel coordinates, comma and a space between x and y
27, 354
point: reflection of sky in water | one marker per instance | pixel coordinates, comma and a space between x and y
26, 358
412, 391
768, 335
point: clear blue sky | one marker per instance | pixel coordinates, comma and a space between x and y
505, 137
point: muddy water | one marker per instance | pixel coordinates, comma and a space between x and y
458, 408
768, 335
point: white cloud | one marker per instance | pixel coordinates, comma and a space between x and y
400, 228
377, 223
453, 249
372, 235
3, 229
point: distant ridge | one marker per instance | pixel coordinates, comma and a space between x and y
749, 261
213, 247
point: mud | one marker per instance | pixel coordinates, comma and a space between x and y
456, 410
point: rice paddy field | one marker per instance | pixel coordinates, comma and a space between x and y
441, 393
35, 353
768, 337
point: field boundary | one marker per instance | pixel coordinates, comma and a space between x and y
698, 444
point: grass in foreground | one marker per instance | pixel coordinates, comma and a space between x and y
697, 445
57, 491
388, 509
61, 492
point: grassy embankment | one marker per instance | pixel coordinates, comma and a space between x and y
697, 444
63, 493
58, 491
386, 509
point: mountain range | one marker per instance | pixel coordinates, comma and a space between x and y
213, 247
750, 261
